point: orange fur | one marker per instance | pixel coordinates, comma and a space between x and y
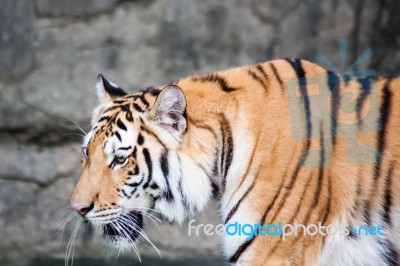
254, 102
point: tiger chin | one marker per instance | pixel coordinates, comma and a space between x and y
260, 140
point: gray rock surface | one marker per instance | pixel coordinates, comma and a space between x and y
52, 51
16, 39
72, 8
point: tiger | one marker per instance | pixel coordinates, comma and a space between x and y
280, 142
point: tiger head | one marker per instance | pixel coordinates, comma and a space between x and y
130, 163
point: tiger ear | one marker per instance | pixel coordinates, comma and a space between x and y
106, 90
169, 109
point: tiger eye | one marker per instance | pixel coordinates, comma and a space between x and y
120, 159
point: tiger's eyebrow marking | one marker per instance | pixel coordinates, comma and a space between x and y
125, 148
121, 125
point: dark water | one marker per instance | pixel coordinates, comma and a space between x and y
146, 261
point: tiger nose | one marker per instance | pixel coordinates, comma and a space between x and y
82, 209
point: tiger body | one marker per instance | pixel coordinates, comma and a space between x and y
233, 132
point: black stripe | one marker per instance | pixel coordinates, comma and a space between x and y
137, 107
277, 76
135, 171
317, 191
125, 148
214, 78
126, 195
199, 124
365, 83
184, 199
333, 84
144, 101
134, 152
215, 169
297, 67
153, 91
328, 208
255, 77
148, 131
281, 186
227, 150
123, 107
112, 90
321, 170
140, 139
301, 76
233, 210
128, 116
111, 108
358, 204
118, 135
215, 189
248, 166
135, 184
390, 254
246, 244
299, 204
290, 185
167, 194
134, 96
293, 178
133, 191
262, 71
121, 125
104, 118
147, 159
154, 185
387, 204
384, 114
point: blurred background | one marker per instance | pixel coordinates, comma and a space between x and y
52, 50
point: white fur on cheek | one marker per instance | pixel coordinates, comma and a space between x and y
190, 187
196, 184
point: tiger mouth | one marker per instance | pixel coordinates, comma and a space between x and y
128, 226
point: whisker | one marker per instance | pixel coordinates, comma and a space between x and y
141, 232
129, 239
61, 226
77, 126
143, 208
68, 207
151, 218
71, 244
65, 221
